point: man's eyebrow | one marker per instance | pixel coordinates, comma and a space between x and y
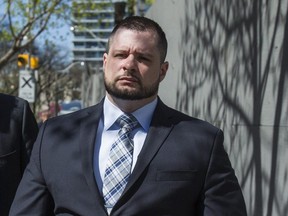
119, 50
142, 53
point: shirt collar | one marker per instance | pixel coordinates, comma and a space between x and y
143, 115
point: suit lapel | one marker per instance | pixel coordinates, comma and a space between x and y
159, 129
89, 125
154, 140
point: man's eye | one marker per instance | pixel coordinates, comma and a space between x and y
120, 55
143, 58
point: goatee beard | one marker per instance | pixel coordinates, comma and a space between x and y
137, 94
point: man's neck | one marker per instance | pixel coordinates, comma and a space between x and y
129, 106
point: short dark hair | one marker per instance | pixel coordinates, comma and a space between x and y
139, 23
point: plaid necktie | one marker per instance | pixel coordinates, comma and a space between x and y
119, 163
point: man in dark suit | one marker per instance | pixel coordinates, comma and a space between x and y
162, 162
18, 131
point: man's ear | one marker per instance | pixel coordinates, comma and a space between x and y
104, 60
163, 70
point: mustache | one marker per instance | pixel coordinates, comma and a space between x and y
128, 75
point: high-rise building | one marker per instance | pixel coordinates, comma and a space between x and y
91, 27
92, 23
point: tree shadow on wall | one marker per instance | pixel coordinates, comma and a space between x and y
229, 56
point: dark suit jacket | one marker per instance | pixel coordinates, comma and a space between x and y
181, 170
18, 131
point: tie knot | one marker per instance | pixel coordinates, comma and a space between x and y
127, 121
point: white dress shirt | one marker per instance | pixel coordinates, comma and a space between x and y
107, 133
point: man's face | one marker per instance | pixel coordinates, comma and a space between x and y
132, 68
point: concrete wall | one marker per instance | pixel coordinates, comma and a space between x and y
228, 65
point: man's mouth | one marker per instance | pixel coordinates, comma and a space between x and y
128, 79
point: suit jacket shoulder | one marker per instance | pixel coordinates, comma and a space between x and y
18, 131
167, 115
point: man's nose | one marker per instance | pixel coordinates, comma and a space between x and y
130, 63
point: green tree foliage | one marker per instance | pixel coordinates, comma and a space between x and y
25, 21
21, 24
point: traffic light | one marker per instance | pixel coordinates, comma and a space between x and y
23, 60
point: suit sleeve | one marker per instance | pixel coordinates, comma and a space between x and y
32, 196
222, 192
